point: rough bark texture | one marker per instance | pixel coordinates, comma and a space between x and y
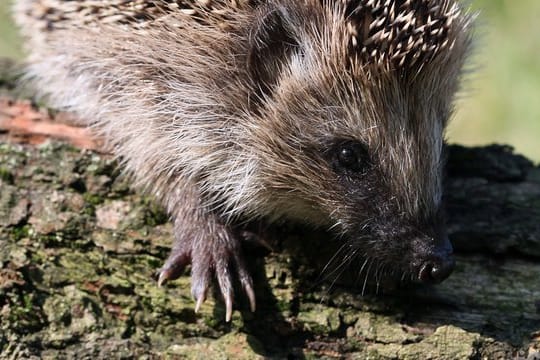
78, 248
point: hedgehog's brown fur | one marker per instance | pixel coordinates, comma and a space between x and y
236, 110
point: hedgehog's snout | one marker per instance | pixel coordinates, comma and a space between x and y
436, 269
424, 252
436, 264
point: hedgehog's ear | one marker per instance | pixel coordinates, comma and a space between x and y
270, 47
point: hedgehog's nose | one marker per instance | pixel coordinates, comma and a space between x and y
436, 268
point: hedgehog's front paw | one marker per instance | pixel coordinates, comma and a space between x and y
210, 256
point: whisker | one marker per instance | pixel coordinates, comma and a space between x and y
346, 262
366, 277
341, 248
378, 275
361, 270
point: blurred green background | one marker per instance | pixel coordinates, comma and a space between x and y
501, 99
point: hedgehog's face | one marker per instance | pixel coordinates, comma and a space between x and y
352, 128
376, 184
390, 208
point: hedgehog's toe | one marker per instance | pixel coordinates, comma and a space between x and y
173, 267
226, 260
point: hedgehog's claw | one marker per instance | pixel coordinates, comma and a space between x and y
248, 288
254, 240
162, 278
200, 300
246, 281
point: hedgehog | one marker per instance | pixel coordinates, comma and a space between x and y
327, 113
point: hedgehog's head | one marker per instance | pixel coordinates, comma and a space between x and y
354, 97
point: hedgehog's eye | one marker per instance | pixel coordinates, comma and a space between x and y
347, 157
352, 156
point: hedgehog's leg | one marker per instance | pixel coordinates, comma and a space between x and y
212, 247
